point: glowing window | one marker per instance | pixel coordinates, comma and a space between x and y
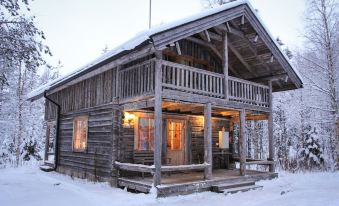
145, 137
174, 135
80, 127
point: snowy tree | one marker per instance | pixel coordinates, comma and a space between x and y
21, 53
311, 152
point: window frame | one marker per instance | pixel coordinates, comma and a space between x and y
139, 116
82, 117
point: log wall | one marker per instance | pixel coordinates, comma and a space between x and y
88, 93
96, 162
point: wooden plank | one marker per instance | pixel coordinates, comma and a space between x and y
270, 128
242, 143
158, 119
208, 140
177, 168
134, 167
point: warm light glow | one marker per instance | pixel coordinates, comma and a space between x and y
223, 139
174, 135
128, 119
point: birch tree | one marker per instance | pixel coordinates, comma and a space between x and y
319, 62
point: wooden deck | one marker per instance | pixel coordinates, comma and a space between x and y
190, 182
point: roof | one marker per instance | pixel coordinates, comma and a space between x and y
146, 36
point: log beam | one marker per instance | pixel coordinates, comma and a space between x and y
225, 64
242, 143
208, 140
270, 129
157, 119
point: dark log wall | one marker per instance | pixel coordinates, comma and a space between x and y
194, 55
91, 92
126, 144
96, 162
197, 138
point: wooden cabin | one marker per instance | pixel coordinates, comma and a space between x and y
161, 108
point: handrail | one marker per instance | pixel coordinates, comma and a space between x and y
165, 168
139, 80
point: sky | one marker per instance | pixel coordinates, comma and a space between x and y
77, 31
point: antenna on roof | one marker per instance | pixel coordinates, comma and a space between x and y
150, 14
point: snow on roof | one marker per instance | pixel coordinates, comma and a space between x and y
144, 36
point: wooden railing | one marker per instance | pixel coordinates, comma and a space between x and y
137, 80
243, 91
189, 79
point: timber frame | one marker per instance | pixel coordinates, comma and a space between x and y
222, 66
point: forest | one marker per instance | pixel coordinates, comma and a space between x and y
305, 120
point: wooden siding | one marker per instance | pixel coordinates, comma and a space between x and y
91, 92
197, 138
96, 161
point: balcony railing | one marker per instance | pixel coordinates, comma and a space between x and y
139, 80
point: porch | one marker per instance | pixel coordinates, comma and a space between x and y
193, 181
195, 148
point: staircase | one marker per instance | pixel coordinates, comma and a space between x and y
235, 187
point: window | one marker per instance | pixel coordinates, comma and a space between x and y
174, 135
145, 134
80, 127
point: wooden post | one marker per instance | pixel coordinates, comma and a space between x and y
225, 64
270, 129
117, 82
208, 140
242, 143
157, 119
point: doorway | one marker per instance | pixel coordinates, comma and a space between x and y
175, 142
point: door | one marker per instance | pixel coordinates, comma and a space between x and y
175, 142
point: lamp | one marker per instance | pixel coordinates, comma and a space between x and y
128, 119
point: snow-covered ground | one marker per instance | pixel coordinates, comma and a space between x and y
30, 186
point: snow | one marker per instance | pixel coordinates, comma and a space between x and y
30, 186
146, 35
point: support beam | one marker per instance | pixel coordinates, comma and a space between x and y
157, 119
207, 36
270, 129
208, 140
177, 46
225, 64
242, 143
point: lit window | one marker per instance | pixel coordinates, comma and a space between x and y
80, 126
145, 137
174, 135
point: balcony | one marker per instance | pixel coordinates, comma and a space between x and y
138, 82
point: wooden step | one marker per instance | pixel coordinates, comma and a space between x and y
242, 189
47, 168
221, 187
